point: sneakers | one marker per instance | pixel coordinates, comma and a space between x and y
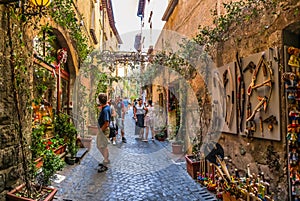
152, 138
124, 140
145, 140
114, 143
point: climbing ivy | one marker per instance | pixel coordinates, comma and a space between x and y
235, 13
62, 12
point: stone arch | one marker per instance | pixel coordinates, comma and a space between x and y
65, 40
72, 61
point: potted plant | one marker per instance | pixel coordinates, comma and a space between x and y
66, 129
44, 157
40, 181
194, 157
162, 133
178, 143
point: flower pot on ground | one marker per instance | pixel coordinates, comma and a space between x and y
70, 160
86, 142
177, 147
162, 134
160, 137
65, 127
92, 130
46, 194
192, 165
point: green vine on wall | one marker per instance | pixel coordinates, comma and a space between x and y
235, 13
62, 12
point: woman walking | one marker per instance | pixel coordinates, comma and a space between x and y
139, 114
149, 121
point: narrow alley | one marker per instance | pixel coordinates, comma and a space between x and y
138, 171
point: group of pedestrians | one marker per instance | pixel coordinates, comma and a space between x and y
111, 120
144, 118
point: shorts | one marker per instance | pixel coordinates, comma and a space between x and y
140, 121
101, 140
149, 122
120, 123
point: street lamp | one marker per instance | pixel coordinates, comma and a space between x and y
41, 3
29, 5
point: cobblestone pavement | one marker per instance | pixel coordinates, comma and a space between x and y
138, 171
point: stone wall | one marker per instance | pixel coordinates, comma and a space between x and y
252, 37
10, 149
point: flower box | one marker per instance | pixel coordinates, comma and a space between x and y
46, 193
192, 166
39, 162
61, 149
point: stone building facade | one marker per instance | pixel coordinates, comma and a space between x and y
274, 29
95, 25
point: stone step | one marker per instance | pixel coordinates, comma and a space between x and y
81, 152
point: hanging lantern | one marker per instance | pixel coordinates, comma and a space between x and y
41, 3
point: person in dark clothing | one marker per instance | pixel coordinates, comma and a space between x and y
103, 126
120, 109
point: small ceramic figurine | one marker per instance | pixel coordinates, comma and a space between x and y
291, 83
294, 59
293, 157
294, 116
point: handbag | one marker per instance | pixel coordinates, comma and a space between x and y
112, 129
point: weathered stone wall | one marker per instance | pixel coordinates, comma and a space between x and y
9, 140
257, 35
10, 149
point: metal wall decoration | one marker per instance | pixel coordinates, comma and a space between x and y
252, 96
261, 119
123, 57
228, 77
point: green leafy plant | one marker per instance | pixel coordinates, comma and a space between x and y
51, 164
64, 128
236, 13
38, 145
63, 13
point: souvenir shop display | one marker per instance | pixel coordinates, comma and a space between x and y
291, 79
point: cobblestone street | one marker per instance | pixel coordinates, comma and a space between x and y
138, 171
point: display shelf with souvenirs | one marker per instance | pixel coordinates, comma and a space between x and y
218, 175
291, 79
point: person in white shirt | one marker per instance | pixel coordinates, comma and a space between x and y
149, 121
139, 114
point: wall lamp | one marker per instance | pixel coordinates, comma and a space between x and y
29, 7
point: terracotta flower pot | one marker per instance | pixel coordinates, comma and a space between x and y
177, 148
92, 130
11, 196
192, 167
